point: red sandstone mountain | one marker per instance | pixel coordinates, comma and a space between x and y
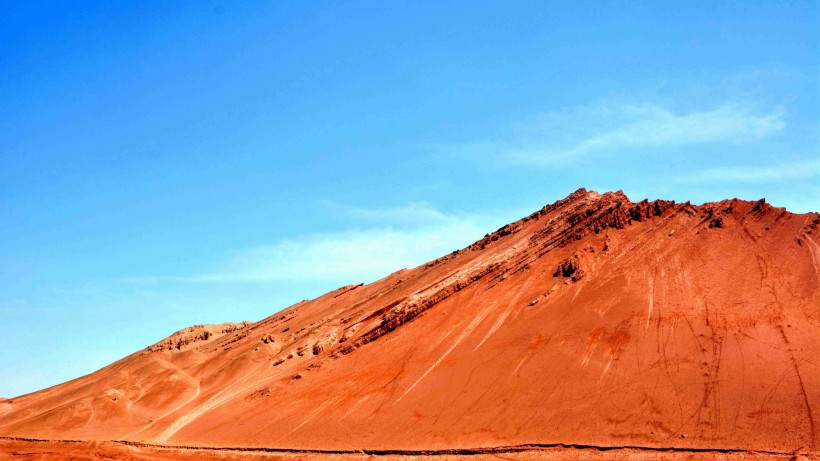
593, 322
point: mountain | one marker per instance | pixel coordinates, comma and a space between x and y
594, 321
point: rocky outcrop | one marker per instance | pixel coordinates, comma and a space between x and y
195, 335
570, 268
268, 339
325, 341
398, 314
504, 231
586, 213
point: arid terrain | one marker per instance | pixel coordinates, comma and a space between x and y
595, 328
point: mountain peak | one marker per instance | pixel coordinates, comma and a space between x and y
594, 320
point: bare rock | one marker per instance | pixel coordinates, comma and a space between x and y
570, 268
267, 339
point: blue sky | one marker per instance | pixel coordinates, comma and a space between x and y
164, 164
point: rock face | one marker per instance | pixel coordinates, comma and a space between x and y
593, 321
570, 267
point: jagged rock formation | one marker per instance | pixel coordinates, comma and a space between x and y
197, 334
594, 321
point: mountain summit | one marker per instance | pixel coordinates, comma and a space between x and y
595, 321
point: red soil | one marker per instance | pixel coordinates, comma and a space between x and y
593, 323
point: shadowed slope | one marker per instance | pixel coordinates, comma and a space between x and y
594, 321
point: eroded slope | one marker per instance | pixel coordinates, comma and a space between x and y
592, 321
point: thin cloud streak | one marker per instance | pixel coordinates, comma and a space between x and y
413, 213
556, 139
405, 237
361, 255
738, 174
642, 126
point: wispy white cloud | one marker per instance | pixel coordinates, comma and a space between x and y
416, 213
404, 236
755, 174
610, 128
561, 137
359, 255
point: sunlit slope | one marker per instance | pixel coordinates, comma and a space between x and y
593, 321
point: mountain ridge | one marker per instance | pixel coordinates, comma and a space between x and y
588, 298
